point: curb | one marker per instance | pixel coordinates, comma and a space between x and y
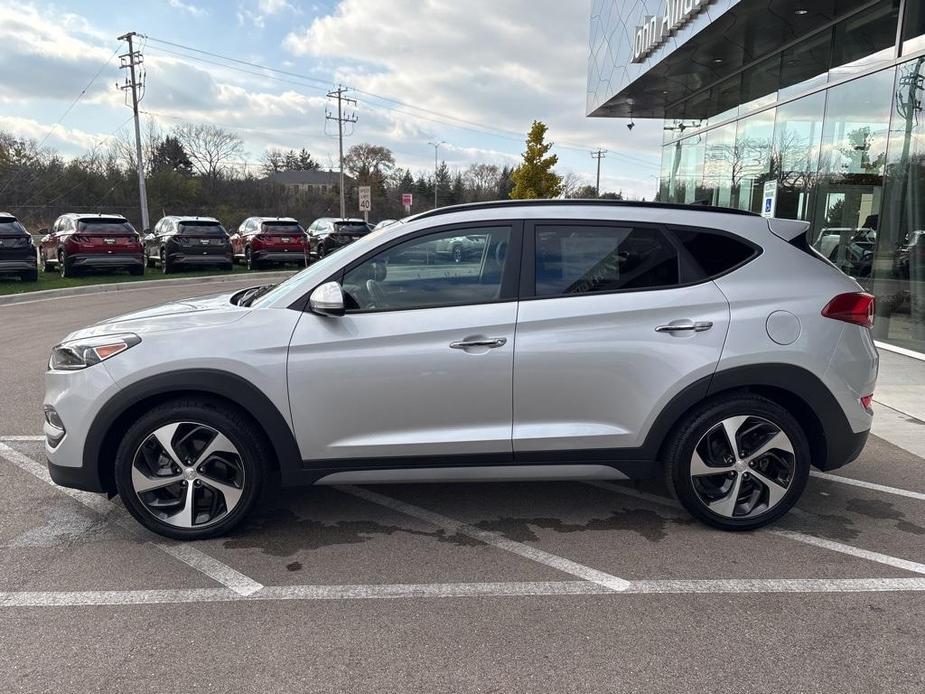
25, 297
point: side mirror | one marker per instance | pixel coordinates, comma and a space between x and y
327, 300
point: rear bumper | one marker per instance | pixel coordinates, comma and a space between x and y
209, 260
106, 261
10, 265
279, 256
843, 448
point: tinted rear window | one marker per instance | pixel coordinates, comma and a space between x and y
201, 229
350, 228
11, 226
712, 253
282, 228
104, 226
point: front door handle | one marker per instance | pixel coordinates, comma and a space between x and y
490, 342
685, 326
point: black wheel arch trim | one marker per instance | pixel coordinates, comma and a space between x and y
222, 384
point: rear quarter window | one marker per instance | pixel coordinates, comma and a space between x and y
711, 253
11, 226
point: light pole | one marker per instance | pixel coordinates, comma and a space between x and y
436, 146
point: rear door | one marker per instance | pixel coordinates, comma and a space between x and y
202, 238
286, 237
106, 237
612, 324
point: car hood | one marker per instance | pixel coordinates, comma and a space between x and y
199, 312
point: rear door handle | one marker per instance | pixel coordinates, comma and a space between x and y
685, 326
490, 342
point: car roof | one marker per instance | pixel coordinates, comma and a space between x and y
7, 216
184, 218
96, 215
277, 219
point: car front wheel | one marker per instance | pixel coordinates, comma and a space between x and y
738, 463
190, 469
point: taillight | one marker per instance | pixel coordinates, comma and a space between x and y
856, 307
866, 400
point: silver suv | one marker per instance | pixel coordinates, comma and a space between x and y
584, 341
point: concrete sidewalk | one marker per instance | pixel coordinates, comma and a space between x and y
900, 399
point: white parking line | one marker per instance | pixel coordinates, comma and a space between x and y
491, 538
22, 438
868, 485
463, 590
842, 548
187, 553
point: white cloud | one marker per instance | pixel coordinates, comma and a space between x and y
68, 140
189, 8
501, 63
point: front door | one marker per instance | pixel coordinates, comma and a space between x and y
421, 364
608, 332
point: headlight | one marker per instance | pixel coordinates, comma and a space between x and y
74, 355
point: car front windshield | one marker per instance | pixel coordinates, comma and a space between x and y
318, 270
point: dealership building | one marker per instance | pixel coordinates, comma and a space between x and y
804, 109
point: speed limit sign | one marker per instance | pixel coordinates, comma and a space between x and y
366, 202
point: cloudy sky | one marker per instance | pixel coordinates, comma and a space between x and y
474, 74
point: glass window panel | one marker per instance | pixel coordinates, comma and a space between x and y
795, 157
726, 99
685, 169
719, 164
852, 161
865, 40
899, 262
914, 29
589, 259
759, 85
448, 268
752, 160
806, 65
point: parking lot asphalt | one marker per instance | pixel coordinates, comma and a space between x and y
541, 587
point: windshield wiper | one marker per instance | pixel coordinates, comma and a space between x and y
251, 295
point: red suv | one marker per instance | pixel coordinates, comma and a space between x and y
87, 242
261, 241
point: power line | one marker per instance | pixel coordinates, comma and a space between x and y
130, 61
437, 117
341, 119
598, 154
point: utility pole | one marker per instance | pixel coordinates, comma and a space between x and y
130, 60
436, 146
599, 154
341, 119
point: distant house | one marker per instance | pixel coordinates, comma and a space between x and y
310, 182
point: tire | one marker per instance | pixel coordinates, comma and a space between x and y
29, 275
242, 472
44, 262
765, 488
228, 267
167, 267
149, 262
136, 271
65, 269
321, 252
249, 260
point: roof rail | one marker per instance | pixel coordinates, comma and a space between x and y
563, 202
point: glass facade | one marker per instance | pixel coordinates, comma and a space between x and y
838, 120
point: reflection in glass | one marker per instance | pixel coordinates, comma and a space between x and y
899, 266
720, 160
752, 163
686, 169
865, 40
914, 29
806, 65
795, 155
852, 160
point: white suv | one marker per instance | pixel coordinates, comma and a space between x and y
593, 340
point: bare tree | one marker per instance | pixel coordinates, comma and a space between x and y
483, 179
210, 148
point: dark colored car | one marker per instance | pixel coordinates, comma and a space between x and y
262, 241
183, 242
910, 251
17, 252
330, 233
87, 242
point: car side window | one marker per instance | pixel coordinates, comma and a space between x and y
429, 271
711, 253
587, 259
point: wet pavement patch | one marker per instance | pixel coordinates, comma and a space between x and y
883, 510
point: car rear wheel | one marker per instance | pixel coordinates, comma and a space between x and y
249, 260
136, 271
29, 276
65, 268
191, 469
166, 265
738, 463
46, 266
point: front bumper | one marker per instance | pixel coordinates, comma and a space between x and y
77, 397
93, 260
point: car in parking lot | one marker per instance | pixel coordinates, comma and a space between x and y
91, 242
911, 252
182, 242
328, 234
263, 241
17, 251
592, 340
